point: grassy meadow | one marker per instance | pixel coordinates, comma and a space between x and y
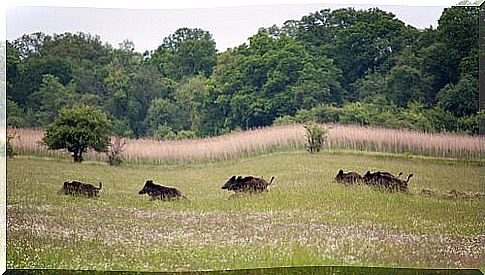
304, 219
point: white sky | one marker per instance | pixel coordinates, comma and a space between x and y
146, 23
181, 4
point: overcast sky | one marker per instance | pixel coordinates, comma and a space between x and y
229, 26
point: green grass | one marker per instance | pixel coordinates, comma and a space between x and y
305, 218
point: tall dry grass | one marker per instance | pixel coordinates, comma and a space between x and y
230, 146
264, 140
402, 141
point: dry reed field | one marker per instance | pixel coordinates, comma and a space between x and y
258, 141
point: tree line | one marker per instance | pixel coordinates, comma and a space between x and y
346, 66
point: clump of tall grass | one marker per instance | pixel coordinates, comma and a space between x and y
265, 140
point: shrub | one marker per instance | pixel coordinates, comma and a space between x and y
185, 134
316, 137
284, 120
115, 160
303, 116
471, 124
357, 113
163, 132
115, 149
326, 113
10, 150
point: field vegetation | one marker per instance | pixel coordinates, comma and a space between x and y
304, 219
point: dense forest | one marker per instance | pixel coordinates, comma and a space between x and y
346, 66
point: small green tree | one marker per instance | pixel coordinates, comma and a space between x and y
77, 129
316, 136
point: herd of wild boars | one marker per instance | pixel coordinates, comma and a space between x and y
379, 179
252, 184
239, 184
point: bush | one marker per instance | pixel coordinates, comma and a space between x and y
115, 149
115, 160
357, 113
303, 116
284, 120
185, 134
316, 137
442, 121
163, 132
471, 124
326, 113
10, 151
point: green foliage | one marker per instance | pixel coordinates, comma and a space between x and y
75, 47
438, 67
469, 65
77, 129
30, 77
186, 95
404, 84
471, 124
316, 137
440, 120
29, 45
91, 100
365, 39
186, 53
358, 113
53, 97
458, 27
165, 112
271, 77
185, 134
13, 63
15, 115
326, 113
120, 127
163, 132
284, 120
380, 113
460, 99
416, 117
369, 86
